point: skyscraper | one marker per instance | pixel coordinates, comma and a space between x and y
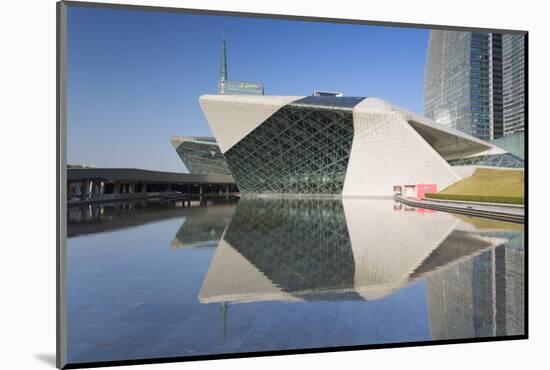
229, 87
513, 66
473, 82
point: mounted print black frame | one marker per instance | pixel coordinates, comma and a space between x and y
246, 219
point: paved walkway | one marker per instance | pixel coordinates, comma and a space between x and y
504, 213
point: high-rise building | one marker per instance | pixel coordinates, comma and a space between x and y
513, 66
201, 155
473, 82
229, 87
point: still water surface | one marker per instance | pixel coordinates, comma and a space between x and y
156, 279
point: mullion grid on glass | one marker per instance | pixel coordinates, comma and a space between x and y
203, 158
297, 150
324, 259
505, 160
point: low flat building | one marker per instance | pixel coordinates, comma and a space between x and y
350, 146
103, 184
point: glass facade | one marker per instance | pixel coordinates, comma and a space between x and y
480, 97
513, 62
328, 102
514, 143
497, 118
506, 160
447, 80
303, 148
309, 244
240, 88
203, 157
228, 87
472, 81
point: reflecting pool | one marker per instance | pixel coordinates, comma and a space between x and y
220, 275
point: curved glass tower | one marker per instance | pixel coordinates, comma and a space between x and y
457, 89
473, 82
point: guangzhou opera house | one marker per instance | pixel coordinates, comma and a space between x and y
200, 155
350, 146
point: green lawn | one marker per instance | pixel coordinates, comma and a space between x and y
487, 185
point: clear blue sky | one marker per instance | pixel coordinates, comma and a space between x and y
134, 77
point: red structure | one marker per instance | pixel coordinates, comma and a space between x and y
422, 189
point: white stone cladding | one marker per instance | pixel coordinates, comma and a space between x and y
373, 223
232, 117
387, 151
231, 277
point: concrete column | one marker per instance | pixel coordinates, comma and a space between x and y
131, 188
200, 189
144, 188
95, 187
86, 189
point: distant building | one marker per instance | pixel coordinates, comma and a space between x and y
474, 82
80, 165
229, 87
201, 155
303, 145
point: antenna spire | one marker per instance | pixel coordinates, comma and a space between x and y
223, 64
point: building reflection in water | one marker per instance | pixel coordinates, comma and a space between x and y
480, 297
204, 228
306, 249
201, 222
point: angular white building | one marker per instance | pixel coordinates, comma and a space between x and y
350, 146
